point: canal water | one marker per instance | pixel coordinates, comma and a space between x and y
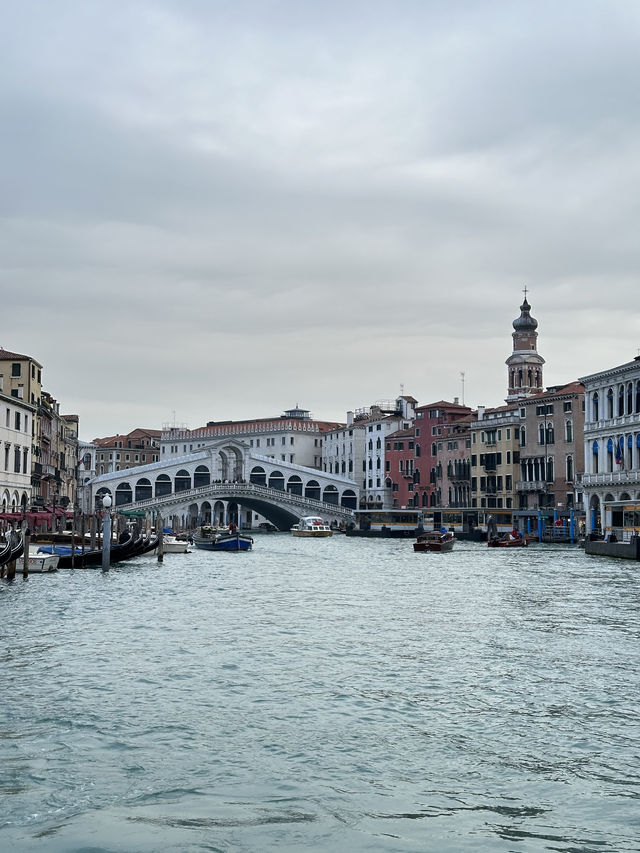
331, 695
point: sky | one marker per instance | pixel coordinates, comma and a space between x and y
218, 209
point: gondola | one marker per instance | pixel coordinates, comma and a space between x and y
124, 550
11, 551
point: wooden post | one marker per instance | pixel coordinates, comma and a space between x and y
27, 541
11, 567
82, 531
159, 531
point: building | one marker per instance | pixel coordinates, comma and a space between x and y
118, 452
611, 439
16, 425
551, 453
293, 437
383, 419
495, 457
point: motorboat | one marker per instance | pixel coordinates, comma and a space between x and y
43, 563
434, 540
223, 541
313, 526
514, 539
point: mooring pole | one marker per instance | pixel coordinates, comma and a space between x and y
160, 532
106, 533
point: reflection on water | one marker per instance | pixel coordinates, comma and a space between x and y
338, 694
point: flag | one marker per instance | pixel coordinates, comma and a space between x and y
619, 445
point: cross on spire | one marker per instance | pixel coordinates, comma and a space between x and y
525, 291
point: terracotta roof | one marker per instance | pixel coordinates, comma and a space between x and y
6, 355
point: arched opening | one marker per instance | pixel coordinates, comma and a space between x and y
124, 494
594, 406
276, 480
349, 499
258, 476
294, 485
205, 513
218, 514
182, 481
201, 476
330, 495
312, 490
163, 485
144, 491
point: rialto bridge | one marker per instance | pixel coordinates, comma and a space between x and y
227, 482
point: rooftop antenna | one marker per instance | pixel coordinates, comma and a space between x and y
462, 380
402, 389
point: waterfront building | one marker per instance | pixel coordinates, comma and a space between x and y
54, 475
551, 453
382, 420
611, 439
119, 452
495, 457
87, 453
293, 437
453, 463
417, 464
16, 424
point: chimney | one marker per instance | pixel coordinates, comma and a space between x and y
349, 418
481, 412
456, 401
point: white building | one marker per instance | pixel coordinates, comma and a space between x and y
294, 437
16, 438
611, 439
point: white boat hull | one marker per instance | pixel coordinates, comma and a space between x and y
42, 563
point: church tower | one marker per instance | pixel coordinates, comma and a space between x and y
524, 364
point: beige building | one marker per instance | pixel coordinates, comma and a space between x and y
495, 457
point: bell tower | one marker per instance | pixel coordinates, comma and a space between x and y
524, 365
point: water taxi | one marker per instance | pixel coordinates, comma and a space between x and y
312, 525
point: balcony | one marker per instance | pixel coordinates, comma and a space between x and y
612, 478
531, 486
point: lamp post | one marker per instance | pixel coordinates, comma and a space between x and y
106, 533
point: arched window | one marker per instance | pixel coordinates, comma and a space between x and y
276, 480
163, 485
594, 449
201, 476
630, 398
312, 490
294, 485
620, 400
550, 476
349, 499
568, 431
637, 396
569, 469
124, 495
378, 444
330, 495
610, 403
523, 436
550, 433
258, 476
182, 481
143, 490
541, 433
594, 406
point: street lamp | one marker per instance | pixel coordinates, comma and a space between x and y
106, 532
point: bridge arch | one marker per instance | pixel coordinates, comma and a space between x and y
124, 494
294, 484
258, 475
312, 490
201, 476
163, 485
330, 494
276, 480
182, 481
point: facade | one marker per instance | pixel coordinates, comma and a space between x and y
552, 451
495, 457
417, 464
119, 452
383, 420
453, 464
20, 377
16, 425
294, 437
611, 439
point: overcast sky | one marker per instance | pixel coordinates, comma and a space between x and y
223, 209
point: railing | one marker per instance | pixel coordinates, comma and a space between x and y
237, 491
611, 477
530, 486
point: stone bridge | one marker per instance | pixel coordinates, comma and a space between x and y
214, 484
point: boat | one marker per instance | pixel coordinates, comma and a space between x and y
127, 548
311, 525
434, 540
13, 550
43, 563
386, 523
515, 539
222, 541
173, 545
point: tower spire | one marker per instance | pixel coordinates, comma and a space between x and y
524, 365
